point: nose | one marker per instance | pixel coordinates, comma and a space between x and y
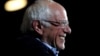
67, 29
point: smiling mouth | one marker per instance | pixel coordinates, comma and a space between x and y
63, 38
64, 35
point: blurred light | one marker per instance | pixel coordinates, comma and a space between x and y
14, 5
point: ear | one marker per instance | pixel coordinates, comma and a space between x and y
37, 27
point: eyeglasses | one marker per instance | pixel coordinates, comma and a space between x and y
61, 23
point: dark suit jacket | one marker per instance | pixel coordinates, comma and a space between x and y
28, 45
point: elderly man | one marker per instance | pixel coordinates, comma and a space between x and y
45, 26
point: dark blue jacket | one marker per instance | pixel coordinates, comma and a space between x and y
28, 45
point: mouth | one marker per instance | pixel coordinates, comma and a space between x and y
62, 37
61, 41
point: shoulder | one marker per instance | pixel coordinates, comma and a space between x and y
28, 42
30, 45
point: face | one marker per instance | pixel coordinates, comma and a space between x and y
56, 33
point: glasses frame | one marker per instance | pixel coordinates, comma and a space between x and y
61, 23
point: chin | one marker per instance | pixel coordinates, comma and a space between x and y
61, 47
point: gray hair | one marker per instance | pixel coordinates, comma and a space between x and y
37, 11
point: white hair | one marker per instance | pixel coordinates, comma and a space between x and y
37, 11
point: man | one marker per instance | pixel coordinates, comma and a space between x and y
45, 26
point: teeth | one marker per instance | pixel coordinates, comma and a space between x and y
62, 37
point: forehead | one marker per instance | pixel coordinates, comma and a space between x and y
58, 12
61, 15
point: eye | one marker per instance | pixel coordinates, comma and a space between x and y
55, 23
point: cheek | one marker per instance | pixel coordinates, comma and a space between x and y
53, 32
55, 38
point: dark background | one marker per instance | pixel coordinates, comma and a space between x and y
82, 16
